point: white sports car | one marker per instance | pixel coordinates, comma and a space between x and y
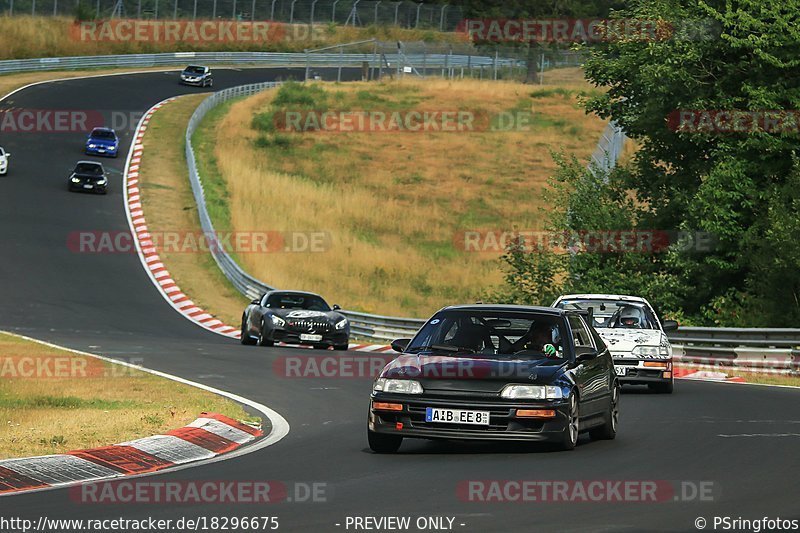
635, 336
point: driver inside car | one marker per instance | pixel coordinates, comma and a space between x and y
538, 338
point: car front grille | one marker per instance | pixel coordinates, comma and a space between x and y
310, 324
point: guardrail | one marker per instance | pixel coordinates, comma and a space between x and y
272, 59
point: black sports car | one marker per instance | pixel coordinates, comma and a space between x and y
497, 372
294, 318
88, 176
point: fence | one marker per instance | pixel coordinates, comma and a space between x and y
405, 14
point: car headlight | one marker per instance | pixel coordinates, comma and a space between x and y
532, 392
341, 324
76, 179
649, 351
278, 321
397, 386
92, 145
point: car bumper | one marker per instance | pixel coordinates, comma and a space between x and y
111, 152
503, 423
101, 189
332, 338
197, 83
637, 373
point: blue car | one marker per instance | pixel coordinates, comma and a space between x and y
102, 141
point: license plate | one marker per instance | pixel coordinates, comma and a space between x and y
620, 370
310, 337
87, 186
456, 416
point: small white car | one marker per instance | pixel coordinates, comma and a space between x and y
4, 161
634, 335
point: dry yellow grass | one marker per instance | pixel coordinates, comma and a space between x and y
25, 36
169, 205
89, 403
393, 204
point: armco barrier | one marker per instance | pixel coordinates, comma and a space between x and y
270, 59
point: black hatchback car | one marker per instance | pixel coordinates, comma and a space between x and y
497, 372
88, 176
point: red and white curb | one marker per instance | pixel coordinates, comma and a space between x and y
207, 437
148, 253
145, 246
705, 375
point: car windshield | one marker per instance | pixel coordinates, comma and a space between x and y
308, 302
524, 334
88, 168
194, 70
103, 134
610, 313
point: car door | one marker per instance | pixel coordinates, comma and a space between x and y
593, 374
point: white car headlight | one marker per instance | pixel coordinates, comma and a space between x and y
397, 386
76, 179
278, 321
649, 351
532, 392
341, 324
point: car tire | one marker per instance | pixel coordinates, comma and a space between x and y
263, 341
246, 339
569, 437
608, 431
341, 347
662, 388
383, 443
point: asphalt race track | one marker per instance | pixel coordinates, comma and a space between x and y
744, 439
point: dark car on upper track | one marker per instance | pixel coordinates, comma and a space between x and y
294, 317
88, 176
102, 141
497, 372
197, 75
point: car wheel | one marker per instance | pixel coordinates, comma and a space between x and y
262, 340
246, 339
569, 438
341, 347
608, 431
662, 388
382, 443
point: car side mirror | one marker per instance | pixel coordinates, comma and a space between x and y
399, 345
670, 325
336, 307
585, 353
8, 155
257, 301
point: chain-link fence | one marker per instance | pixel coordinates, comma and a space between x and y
405, 14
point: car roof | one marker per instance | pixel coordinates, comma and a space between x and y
97, 163
195, 66
622, 297
102, 129
506, 307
